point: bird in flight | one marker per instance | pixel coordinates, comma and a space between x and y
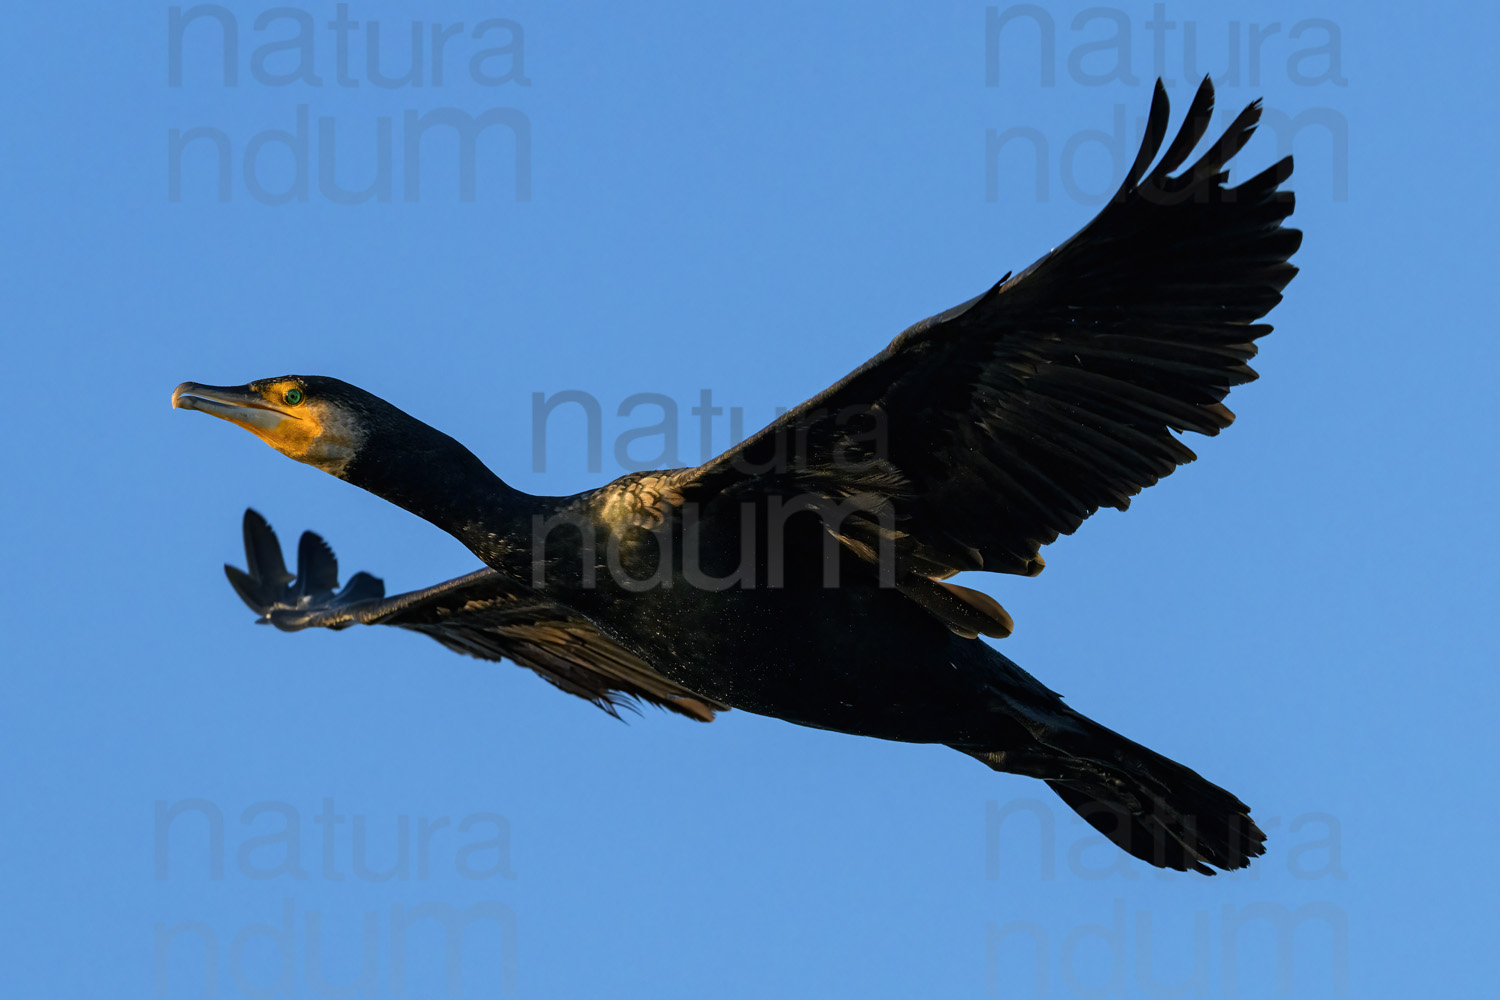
803, 573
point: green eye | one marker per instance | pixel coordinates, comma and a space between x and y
292, 397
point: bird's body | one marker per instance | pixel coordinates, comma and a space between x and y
803, 574
842, 657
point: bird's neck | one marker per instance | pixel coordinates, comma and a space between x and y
443, 482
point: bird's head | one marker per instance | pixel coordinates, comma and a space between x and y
350, 434
321, 421
358, 437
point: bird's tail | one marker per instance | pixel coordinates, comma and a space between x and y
1153, 807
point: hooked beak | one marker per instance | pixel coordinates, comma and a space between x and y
236, 404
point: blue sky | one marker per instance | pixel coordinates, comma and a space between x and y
751, 201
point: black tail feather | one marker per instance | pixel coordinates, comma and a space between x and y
1162, 812
1152, 807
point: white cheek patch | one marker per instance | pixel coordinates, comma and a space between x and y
338, 440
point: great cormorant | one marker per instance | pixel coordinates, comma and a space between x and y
802, 574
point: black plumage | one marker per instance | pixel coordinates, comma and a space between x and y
481, 614
802, 574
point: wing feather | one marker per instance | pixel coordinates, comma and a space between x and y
1011, 418
482, 614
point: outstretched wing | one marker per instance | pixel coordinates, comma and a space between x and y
991, 428
482, 614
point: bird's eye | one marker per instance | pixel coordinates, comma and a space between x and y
292, 397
